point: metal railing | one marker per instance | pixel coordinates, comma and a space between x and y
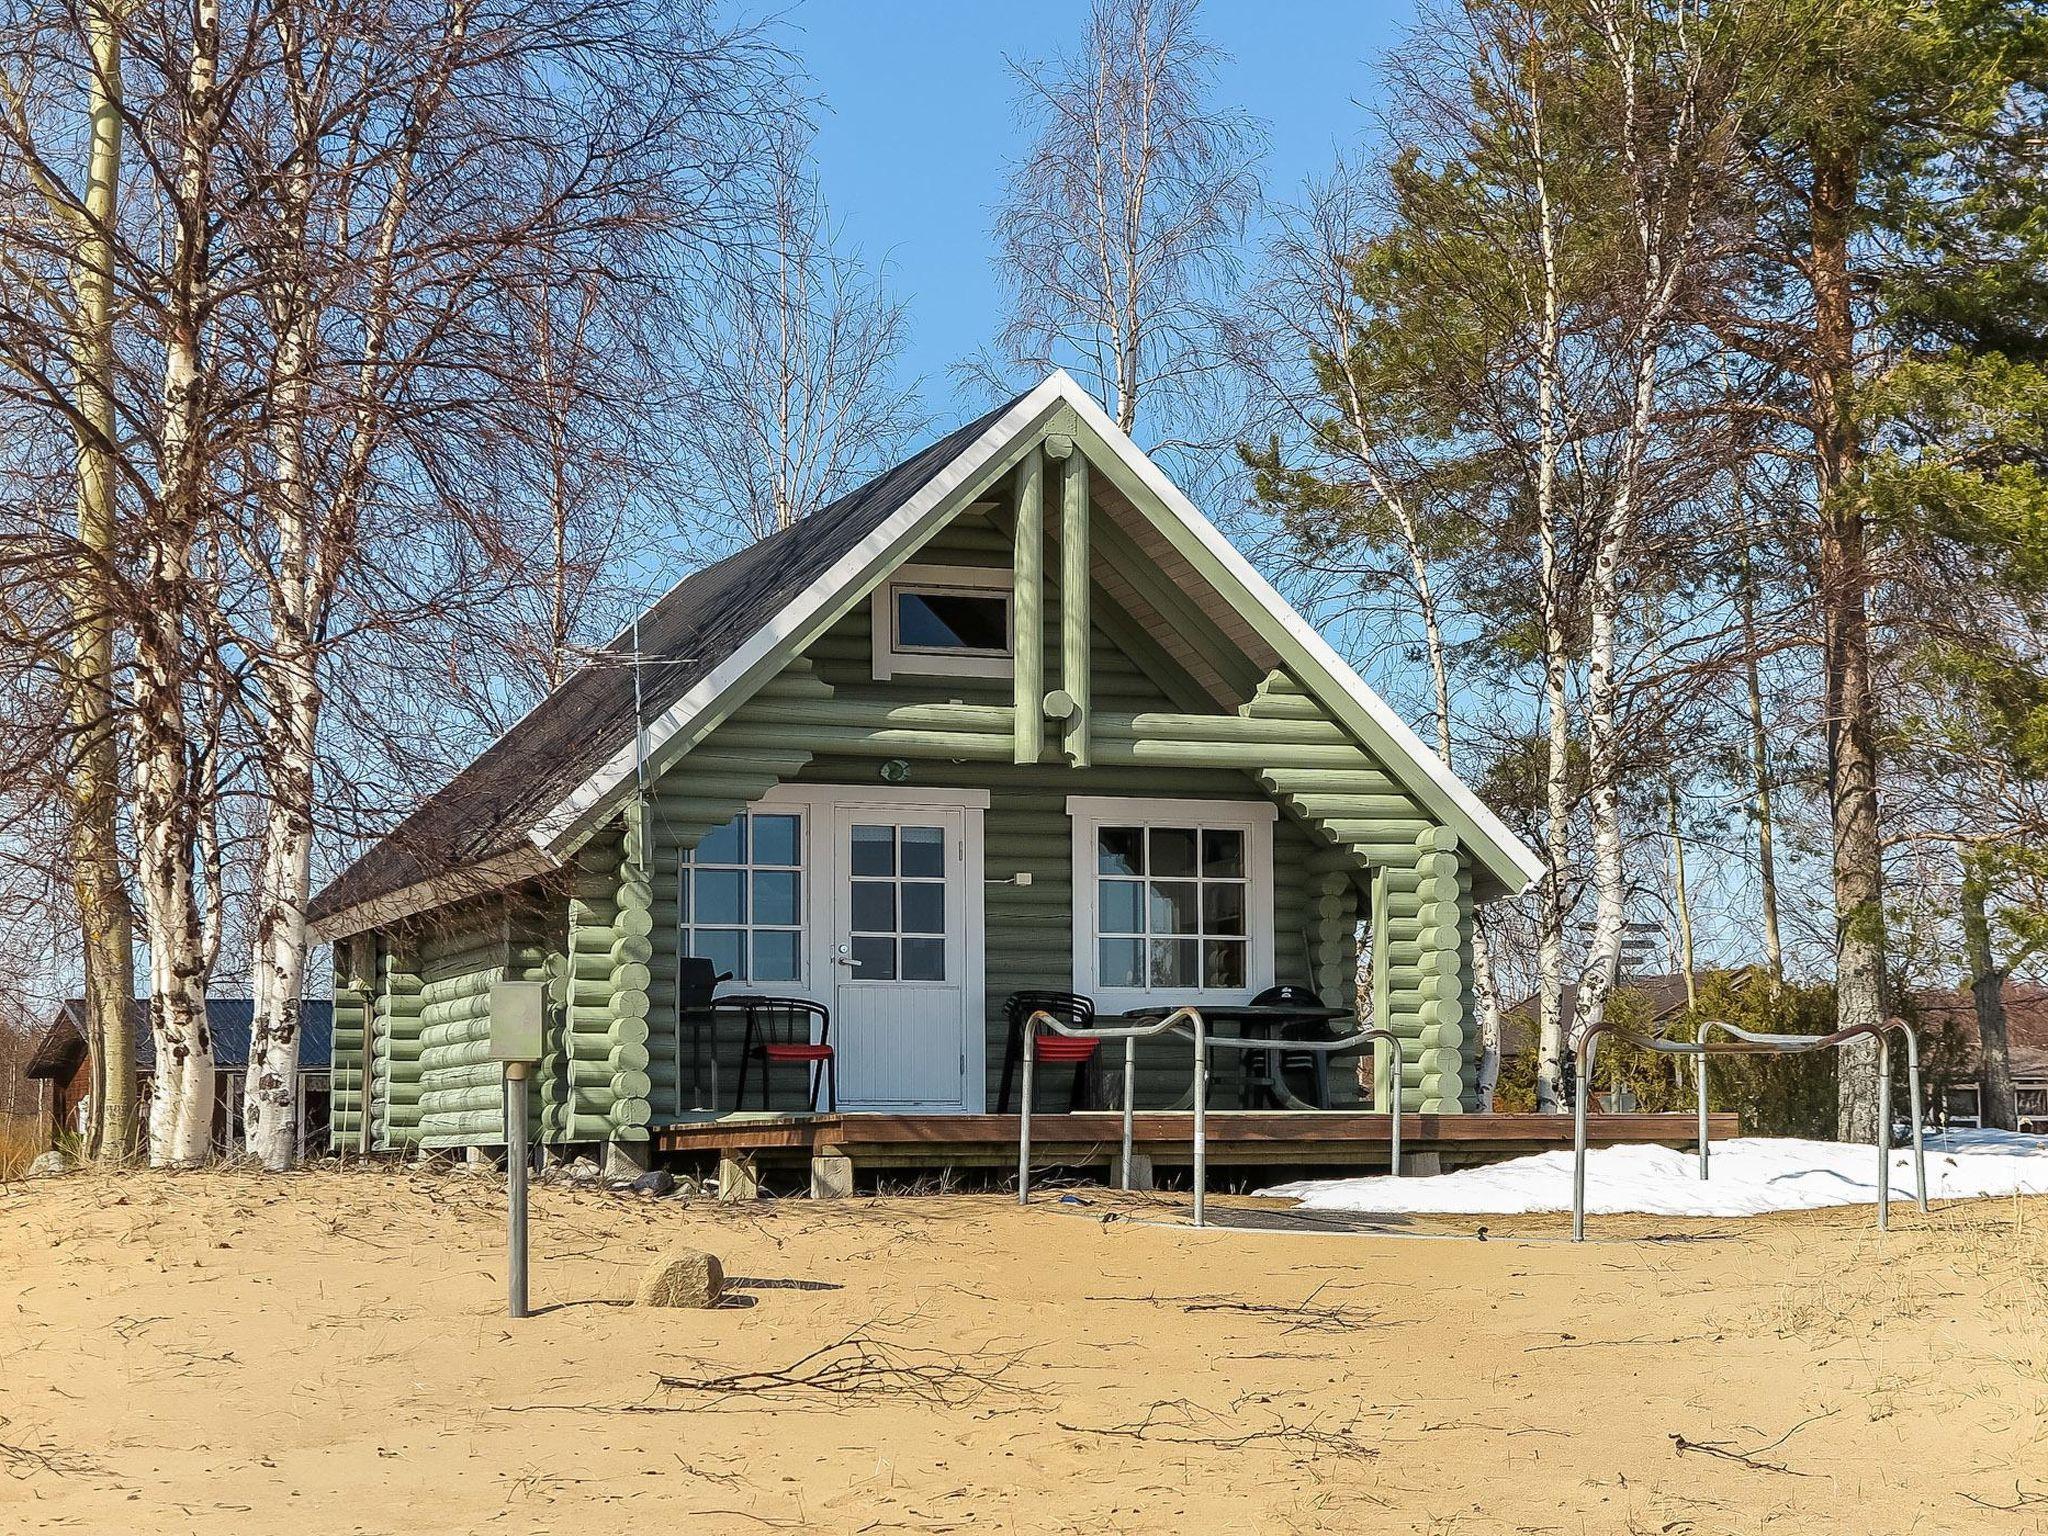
1130, 1034
1189, 1023
1743, 1042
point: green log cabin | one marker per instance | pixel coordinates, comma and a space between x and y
1012, 715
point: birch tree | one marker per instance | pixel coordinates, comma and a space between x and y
1665, 100
427, 196
1118, 232
60, 243
1351, 483
796, 395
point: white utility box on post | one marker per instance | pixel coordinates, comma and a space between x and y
518, 1019
518, 1022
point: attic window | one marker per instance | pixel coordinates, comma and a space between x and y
943, 621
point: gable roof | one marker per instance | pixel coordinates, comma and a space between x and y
228, 1021
535, 793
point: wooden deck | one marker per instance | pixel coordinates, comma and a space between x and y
1335, 1139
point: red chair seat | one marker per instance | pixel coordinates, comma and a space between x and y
1060, 1048
796, 1052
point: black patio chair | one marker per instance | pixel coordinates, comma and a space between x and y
697, 981
787, 1029
1048, 1049
1315, 1063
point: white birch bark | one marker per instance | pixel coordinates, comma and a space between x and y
166, 794
1660, 196
1556, 634
315, 539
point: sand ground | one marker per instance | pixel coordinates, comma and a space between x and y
326, 1353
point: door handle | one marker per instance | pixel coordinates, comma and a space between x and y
846, 960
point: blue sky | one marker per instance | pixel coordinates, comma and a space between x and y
919, 128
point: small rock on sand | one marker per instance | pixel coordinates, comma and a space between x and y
683, 1277
49, 1165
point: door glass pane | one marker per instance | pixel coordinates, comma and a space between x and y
924, 852
874, 906
874, 959
1173, 962
775, 839
774, 955
1174, 906
1123, 906
721, 896
1122, 962
1173, 851
723, 948
1120, 850
874, 850
924, 907
1222, 854
1223, 963
728, 845
775, 896
1223, 908
924, 959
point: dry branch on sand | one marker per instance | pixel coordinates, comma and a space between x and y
1750, 1458
855, 1365
1181, 1421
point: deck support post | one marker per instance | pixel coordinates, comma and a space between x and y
831, 1177
1027, 609
1074, 616
737, 1179
627, 1159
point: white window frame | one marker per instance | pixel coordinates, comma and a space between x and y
1254, 818
686, 862
974, 580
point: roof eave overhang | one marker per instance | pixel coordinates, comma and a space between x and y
478, 879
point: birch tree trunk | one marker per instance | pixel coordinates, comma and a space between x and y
1556, 650
166, 794
1661, 158
99, 887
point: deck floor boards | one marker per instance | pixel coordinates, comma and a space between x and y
1332, 1138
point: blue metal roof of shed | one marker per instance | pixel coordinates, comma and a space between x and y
228, 1019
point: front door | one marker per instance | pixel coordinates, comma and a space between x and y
902, 1005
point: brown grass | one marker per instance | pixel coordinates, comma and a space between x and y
22, 1140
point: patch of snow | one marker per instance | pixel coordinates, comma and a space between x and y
1750, 1176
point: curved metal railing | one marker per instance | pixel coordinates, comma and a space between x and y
1188, 1022
1743, 1042
1130, 1034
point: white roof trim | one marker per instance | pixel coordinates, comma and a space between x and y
1353, 687
1436, 781
679, 716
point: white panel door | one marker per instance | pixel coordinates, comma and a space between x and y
903, 1003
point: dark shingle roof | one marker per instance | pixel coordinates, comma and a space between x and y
488, 809
228, 1019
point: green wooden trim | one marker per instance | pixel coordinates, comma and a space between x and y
1385, 1089
1076, 589
1027, 608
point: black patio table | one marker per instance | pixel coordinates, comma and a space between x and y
1253, 1021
